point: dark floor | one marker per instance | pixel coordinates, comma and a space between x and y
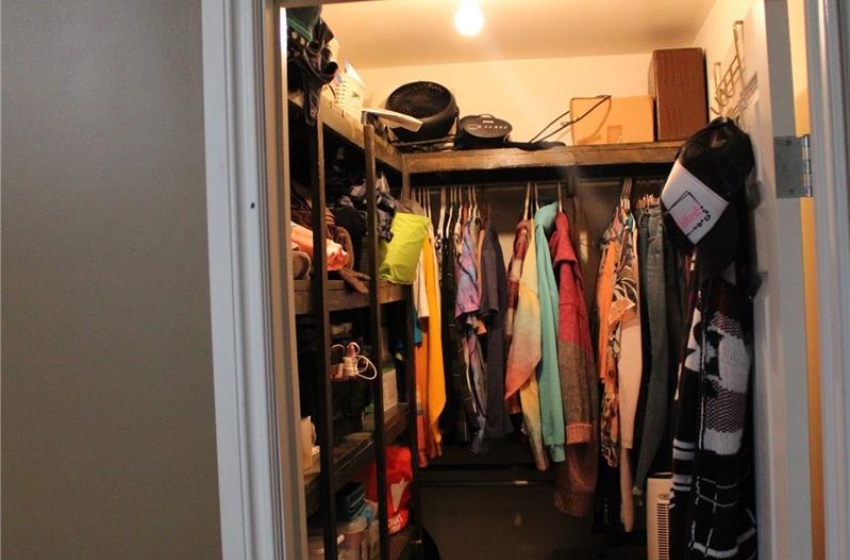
475, 513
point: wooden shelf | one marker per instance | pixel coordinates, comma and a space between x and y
341, 297
514, 158
350, 457
395, 422
515, 166
354, 454
401, 544
350, 129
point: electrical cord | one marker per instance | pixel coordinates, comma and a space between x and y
354, 364
536, 138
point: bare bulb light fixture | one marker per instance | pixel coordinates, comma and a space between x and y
468, 19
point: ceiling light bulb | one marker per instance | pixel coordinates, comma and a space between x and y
469, 20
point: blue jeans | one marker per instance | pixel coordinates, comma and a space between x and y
656, 376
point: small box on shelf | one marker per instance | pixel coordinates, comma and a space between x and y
390, 380
616, 120
677, 82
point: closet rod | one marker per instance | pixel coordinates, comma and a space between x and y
485, 483
578, 184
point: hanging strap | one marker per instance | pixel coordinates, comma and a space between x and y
560, 201
441, 222
536, 199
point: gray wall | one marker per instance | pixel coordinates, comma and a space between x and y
108, 428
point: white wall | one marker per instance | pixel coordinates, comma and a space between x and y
108, 440
799, 64
717, 40
526, 93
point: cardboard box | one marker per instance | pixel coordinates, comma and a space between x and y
619, 120
677, 81
390, 381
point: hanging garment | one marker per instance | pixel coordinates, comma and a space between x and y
621, 356
525, 352
436, 366
619, 337
521, 242
548, 378
626, 308
712, 512
493, 306
461, 418
576, 478
629, 366
428, 354
653, 307
420, 360
609, 421
467, 306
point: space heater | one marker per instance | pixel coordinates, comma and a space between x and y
658, 516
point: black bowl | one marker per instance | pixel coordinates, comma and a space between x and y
429, 102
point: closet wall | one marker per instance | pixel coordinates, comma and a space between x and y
108, 411
526, 93
529, 93
715, 37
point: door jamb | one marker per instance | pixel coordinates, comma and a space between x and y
252, 486
829, 86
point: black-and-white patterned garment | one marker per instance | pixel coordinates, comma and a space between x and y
712, 511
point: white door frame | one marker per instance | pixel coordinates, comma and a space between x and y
255, 485
254, 499
829, 87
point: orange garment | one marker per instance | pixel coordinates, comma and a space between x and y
303, 238
428, 356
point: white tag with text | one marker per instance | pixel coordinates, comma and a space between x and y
692, 204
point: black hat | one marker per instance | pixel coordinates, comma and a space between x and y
705, 194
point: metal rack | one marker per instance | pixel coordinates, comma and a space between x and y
320, 298
727, 82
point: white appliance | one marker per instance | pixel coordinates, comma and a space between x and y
658, 516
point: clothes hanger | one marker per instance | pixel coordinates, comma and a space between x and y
536, 198
527, 198
625, 194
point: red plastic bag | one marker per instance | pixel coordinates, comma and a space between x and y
399, 479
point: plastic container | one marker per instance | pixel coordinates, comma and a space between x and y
374, 538
355, 545
316, 547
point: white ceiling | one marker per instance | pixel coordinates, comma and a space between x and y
388, 33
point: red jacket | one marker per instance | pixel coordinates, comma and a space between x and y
576, 478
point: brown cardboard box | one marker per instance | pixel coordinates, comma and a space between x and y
677, 82
620, 120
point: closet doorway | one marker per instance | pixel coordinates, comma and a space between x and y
500, 75
786, 469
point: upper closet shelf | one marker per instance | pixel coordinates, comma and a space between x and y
350, 129
569, 156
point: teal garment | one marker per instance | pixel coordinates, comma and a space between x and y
303, 20
551, 401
